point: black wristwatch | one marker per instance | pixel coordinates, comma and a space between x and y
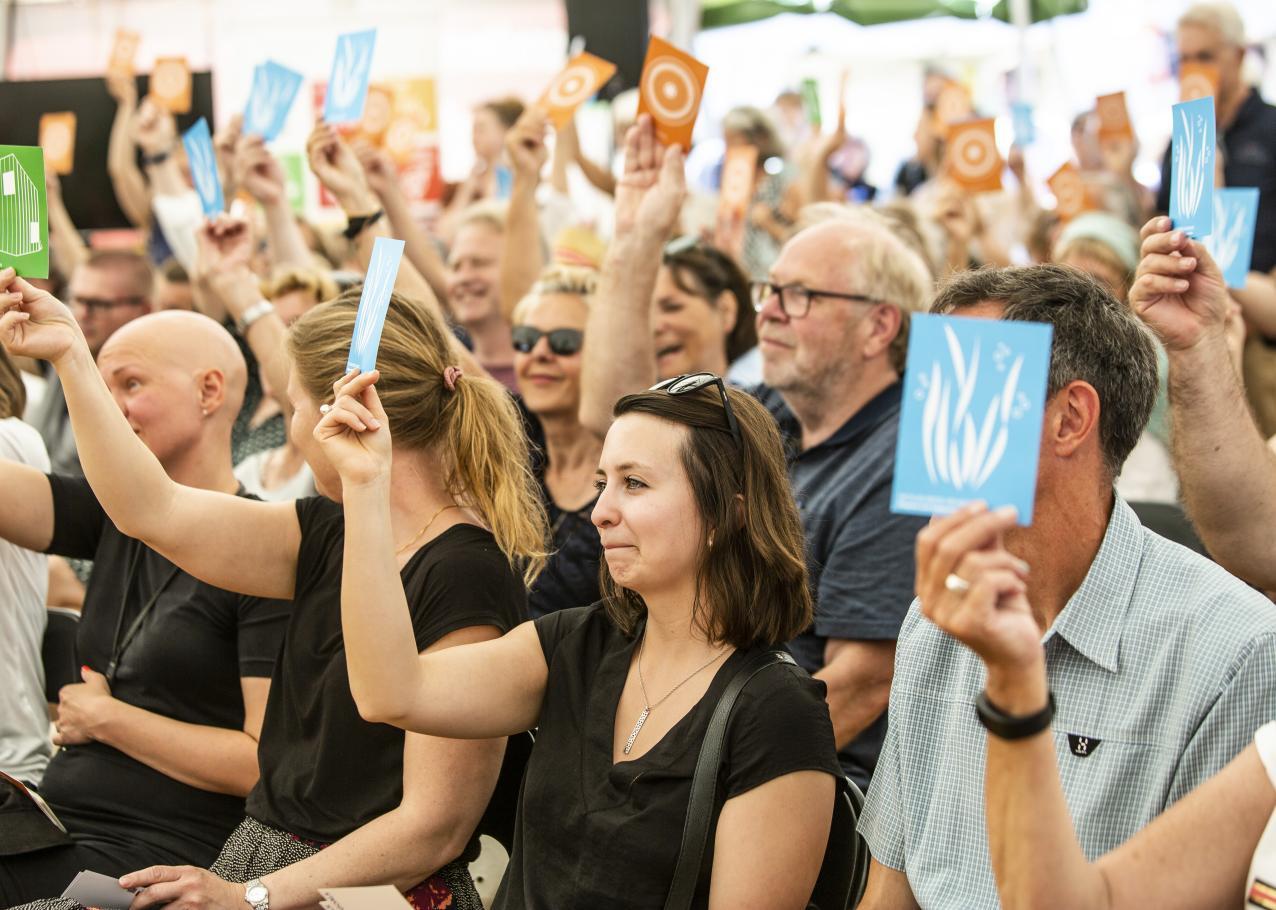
1008, 726
356, 225
157, 158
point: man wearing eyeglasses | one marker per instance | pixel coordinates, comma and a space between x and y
832, 322
111, 288
1214, 34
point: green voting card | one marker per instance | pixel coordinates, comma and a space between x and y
24, 211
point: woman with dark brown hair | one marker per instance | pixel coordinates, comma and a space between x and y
704, 567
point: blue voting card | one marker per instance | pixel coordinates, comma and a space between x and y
1025, 126
373, 303
199, 152
970, 425
1232, 241
274, 89
1192, 168
348, 84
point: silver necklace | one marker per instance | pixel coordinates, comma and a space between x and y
647, 706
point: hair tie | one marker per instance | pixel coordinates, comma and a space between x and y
450, 376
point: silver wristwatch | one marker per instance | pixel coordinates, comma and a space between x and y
253, 313
256, 894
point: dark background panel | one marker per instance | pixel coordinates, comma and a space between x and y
87, 190
616, 31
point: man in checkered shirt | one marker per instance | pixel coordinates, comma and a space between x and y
1162, 665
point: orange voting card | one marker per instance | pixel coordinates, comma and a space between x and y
583, 76
972, 159
952, 104
738, 171
171, 84
122, 53
57, 138
1198, 80
1072, 196
670, 89
1114, 117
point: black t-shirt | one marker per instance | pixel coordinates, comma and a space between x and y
185, 662
592, 834
570, 577
325, 771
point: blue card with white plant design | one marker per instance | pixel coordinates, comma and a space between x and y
1192, 168
198, 142
374, 303
348, 84
274, 89
1232, 242
970, 424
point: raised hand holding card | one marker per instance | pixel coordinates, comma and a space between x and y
1192, 167
274, 89
374, 302
203, 163
970, 426
24, 211
1232, 241
579, 81
348, 84
670, 89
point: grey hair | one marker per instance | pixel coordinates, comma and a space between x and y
1219, 17
1097, 339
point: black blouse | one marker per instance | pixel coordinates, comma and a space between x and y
594, 834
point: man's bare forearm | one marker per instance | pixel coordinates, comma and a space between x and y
1227, 472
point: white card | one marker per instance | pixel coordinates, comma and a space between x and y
93, 889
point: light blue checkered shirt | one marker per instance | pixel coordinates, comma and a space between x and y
1166, 665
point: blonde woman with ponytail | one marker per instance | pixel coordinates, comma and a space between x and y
341, 801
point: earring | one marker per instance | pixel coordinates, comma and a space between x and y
204, 411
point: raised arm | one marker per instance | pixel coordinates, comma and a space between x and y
418, 245
217, 759
1226, 470
228, 541
621, 354
1197, 854
65, 243
131, 191
521, 260
337, 168
474, 691
258, 172
222, 271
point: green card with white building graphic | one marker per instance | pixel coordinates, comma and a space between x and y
24, 211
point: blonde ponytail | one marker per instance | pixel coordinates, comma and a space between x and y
473, 428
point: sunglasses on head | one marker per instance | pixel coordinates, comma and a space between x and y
691, 382
563, 342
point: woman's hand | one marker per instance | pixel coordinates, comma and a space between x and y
355, 433
337, 168
154, 129
182, 888
650, 192
34, 323
81, 707
971, 587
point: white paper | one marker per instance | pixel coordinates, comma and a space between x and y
92, 889
9, 187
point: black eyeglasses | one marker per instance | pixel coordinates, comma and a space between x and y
563, 342
795, 300
691, 382
99, 304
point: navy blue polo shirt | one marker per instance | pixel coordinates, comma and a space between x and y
1249, 149
859, 555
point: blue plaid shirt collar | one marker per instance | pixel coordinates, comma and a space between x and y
1094, 617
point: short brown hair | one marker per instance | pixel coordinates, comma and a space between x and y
1097, 339
752, 569
312, 281
141, 272
507, 110
13, 393
705, 271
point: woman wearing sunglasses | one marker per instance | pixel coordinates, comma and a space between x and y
703, 550
548, 334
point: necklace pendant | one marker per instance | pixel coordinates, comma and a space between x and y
633, 734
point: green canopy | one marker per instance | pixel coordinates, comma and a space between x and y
715, 13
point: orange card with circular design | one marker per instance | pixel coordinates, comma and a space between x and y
122, 53
972, 159
670, 89
1114, 117
1072, 196
57, 138
171, 84
1198, 80
583, 76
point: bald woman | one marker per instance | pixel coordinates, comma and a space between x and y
159, 739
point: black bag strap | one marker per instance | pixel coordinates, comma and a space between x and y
704, 782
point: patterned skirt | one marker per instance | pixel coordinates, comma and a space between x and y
254, 850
